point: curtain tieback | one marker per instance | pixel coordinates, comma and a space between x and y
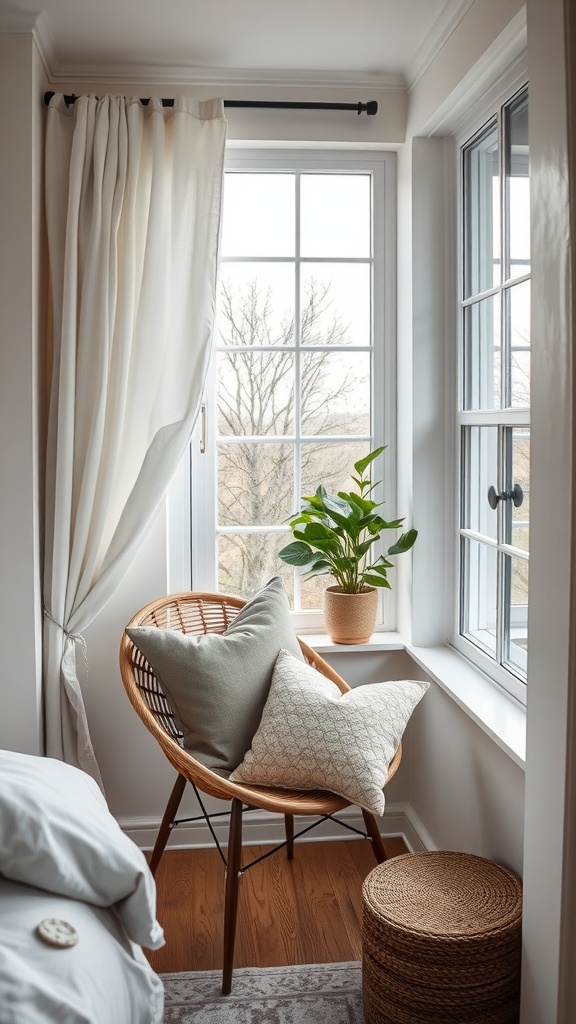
76, 637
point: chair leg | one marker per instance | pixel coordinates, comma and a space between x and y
289, 826
375, 837
234, 857
166, 823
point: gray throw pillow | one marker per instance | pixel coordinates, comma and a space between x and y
218, 683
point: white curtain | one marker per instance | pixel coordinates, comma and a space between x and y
133, 200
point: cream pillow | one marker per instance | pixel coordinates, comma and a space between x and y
311, 736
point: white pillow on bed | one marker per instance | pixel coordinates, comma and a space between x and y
57, 833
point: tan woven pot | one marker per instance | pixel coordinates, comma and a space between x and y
350, 618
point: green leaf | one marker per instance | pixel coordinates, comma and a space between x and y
364, 504
302, 518
361, 549
404, 543
376, 523
317, 531
333, 503
382, 563
320, 568
362, 464
297, 553
380, 568
319, 536
376, 581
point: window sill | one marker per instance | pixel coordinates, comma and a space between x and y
491, 708
322, 643
494, 711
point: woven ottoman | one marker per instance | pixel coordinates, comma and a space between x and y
441, 941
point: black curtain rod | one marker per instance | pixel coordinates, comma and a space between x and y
371, 107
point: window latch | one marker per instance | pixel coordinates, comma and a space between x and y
203, 428
516, 496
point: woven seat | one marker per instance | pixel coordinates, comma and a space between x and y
441, 941
201, 613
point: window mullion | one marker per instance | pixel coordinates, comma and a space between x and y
297, 370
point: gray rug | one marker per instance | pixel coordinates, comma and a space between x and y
307, 994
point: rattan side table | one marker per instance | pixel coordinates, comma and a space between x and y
441, 941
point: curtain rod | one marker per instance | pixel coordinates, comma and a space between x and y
371, 107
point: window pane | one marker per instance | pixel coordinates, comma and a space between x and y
256, 304
518, 189
330, 464
518, 517
255, 393
482, 354
335, 389
482, 213
516, 612
518, 300
293, 359
335, 300
258, 215
495, 360
311, 592
480, 469
247, 561
479, 609
255, 484
335, 215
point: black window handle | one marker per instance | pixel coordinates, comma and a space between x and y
516, 496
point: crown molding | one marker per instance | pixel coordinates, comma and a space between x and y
504, 63
13, 20
17, 22
174, 75
442, 29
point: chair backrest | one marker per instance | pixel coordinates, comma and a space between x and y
193, 612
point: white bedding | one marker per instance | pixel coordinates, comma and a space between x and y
103, 979
63, 855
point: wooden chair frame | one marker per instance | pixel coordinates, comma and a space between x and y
197, 613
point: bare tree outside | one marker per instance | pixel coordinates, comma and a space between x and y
257, 369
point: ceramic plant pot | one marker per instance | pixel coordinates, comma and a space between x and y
350, 618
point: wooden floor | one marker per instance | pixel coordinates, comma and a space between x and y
307, 910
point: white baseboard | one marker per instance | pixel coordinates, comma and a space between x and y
264, 828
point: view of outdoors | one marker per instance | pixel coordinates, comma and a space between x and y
294, 357
496, 388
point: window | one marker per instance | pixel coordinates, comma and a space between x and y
494, 412
299, 384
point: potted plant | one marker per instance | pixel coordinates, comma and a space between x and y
334, 535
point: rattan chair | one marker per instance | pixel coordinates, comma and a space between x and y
199, 613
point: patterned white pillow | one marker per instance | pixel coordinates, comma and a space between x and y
311, 736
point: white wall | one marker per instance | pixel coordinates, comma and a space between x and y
549, 985
465, 793
20, 622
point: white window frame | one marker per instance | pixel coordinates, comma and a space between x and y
190, 566
500, 94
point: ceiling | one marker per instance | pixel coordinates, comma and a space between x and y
330, 41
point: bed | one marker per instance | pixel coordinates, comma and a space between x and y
77, 903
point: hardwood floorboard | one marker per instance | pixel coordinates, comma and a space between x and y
308, 910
